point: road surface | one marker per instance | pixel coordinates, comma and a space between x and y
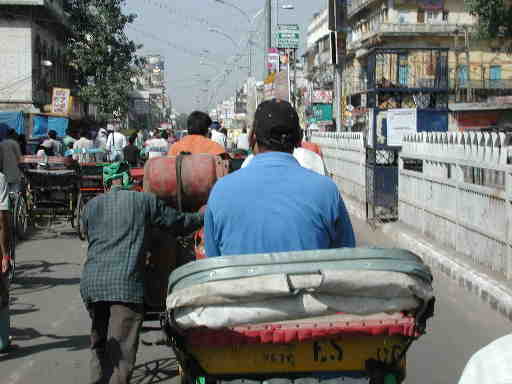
50, 324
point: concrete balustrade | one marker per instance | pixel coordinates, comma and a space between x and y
344, 155
455, 188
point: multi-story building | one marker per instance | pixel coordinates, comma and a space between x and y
422, 54
151, 83
318, 71
32, 58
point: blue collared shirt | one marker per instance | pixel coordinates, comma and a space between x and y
275, 205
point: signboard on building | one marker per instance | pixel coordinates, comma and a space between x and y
282, 86
288, 36
322, 113
322, 96
401, 122
273, 60
61, 101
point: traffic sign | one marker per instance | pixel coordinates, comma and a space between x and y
288, 36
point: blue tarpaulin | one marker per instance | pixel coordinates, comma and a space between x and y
432, 121
11, 120
42, 124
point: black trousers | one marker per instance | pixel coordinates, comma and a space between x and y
114, 341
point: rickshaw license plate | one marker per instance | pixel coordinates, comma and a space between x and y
337, 354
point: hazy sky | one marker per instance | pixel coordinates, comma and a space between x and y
179, 31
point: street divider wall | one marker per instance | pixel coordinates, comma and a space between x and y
454, 188
345, 158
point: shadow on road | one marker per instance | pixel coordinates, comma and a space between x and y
155, 371
58, 229
30, 277
70, 343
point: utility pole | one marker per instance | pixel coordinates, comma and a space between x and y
268, 6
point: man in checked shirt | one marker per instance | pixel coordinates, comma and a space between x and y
112, 286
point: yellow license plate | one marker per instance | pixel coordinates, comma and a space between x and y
337, 354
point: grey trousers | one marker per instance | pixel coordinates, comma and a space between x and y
114, 341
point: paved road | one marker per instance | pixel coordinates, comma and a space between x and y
50, 324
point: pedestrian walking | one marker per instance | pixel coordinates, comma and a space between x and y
53, 145
157, 146
10, 157
5, 239
69, 140
217, 134
115, 143
242, 141
82, 147
117, 225
101, 144
131, 152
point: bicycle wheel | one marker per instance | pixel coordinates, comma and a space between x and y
79, 211
21, 217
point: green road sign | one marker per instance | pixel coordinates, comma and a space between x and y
288, 36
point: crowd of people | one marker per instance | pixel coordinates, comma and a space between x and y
273, 204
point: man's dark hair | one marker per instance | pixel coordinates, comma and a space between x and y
132, 138
11, 133
52, 134
244, 130
198, 123
276, 126
84, 132
224, 131
164, 135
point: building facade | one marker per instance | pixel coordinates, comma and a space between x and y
420, 54
150, 101
32, 54
319, 74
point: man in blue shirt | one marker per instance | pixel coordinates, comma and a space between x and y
274, 204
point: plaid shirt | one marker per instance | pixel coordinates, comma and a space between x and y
118, 225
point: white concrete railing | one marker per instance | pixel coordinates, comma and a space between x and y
455, 188
344, 156
460, 193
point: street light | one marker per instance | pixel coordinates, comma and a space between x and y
234, 7
219, 32
251, 21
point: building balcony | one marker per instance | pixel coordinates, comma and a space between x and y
482, 84
356, 6
357, 40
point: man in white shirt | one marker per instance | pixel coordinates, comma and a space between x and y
217, 135
101, 143
81, 146
490, 365
53, 145
242, 141
115, 144
158, 145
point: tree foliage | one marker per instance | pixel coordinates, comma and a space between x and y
104, 58
494, 17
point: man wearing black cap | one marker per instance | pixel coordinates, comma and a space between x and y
274, 204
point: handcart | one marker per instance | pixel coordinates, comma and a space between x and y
91, 185
52, 193
317, 315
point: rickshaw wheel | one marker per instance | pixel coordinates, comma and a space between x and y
79, 212
22, 217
